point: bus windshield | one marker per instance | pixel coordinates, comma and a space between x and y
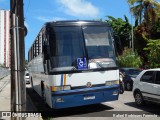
71, 46
98, 42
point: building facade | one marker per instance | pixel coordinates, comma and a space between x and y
5, 41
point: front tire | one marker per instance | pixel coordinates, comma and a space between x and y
139, 99
31, 82
128, 86
121, 91
43, 91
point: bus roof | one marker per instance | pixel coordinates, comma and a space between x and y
73, 23
76, 23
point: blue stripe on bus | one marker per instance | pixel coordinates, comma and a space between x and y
61, 79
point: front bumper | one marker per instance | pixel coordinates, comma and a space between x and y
79, 97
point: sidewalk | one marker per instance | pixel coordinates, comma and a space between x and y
5, 99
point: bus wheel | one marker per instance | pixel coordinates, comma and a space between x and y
43, 91
31, 83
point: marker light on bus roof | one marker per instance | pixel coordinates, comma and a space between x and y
81, 22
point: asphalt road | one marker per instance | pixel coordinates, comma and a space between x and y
124, 108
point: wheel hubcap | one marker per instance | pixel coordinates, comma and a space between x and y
128, 86
138, 99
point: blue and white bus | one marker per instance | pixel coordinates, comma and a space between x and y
73, 63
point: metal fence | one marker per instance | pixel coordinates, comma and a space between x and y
4, 72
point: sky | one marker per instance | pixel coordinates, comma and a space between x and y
37, 12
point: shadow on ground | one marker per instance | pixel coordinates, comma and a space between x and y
151, 108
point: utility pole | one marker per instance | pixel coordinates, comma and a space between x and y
18, 90
132, 34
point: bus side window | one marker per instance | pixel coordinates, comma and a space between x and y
46, 52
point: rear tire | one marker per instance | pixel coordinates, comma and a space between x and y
139, 99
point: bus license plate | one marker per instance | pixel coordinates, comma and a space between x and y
89, 97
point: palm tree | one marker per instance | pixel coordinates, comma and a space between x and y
144, 9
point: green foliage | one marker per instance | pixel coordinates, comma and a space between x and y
153, 48
122, 31
141, 36
129, 59
147, 27
148, 10
2, 65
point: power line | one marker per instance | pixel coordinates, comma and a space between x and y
27, 9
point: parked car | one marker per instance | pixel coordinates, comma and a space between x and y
129, 74
27, 77
147, 87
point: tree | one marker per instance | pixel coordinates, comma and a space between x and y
136, 10
148, 14
122, 32
141, 35
153, 50
148, 11
144, 9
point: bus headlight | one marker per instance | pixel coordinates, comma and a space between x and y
60, 88
108, 83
